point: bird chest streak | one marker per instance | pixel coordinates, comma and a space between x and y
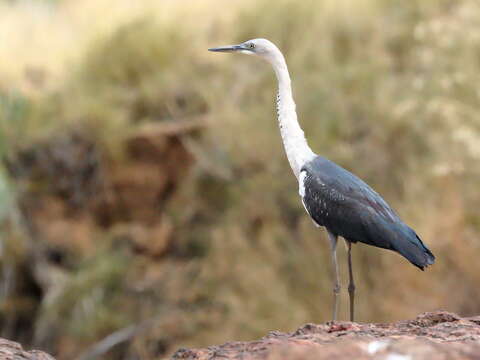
296, 147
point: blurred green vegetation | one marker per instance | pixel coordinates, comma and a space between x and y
387, 89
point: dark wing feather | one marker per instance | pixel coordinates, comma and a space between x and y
347, 206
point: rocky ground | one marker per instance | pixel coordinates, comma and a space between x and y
435, 335
10, 350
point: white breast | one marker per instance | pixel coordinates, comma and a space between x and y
301, 192
301, 183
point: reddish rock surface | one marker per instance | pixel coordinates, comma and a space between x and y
10, 350
435, 335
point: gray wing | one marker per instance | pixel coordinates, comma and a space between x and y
347, 206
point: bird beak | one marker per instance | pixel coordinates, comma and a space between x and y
229, 48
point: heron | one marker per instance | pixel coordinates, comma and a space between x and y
332, 196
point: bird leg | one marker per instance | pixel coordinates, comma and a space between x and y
336, 277
351, 284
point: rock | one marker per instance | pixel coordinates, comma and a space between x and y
10, 350
433, 335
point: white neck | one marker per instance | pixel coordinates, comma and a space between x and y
296, 147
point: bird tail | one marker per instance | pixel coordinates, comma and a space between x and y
412, 248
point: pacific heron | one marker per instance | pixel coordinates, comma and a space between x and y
332, 196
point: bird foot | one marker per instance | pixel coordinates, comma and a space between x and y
339, 326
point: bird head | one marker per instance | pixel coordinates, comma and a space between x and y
259, 47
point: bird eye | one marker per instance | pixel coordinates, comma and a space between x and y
251, 46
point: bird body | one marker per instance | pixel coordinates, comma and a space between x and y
348, 207
332, 196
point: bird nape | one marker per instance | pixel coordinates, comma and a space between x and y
332, 196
